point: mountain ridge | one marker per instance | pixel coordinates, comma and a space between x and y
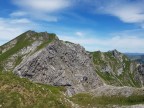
40, 40
43, 58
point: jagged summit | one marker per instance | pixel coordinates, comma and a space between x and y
41, 34
115, 52
30, 31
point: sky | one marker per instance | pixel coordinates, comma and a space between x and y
95, 24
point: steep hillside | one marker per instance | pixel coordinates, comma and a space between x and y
13, 52
16, 92
116, 69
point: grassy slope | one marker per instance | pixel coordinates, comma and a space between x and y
89, 101
18, 92
22, 42
21, 93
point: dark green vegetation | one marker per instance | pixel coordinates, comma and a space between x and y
21, 93
108, 66
90, 101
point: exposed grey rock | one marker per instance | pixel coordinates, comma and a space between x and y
30, 48
141, 69
8, 46
119, 71
140, 74
107, 69
11, 61
117, 55
130, 106
117, 91
61, 64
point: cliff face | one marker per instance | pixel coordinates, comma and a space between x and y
61, 64
43, 58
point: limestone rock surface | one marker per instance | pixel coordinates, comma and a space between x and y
61, 64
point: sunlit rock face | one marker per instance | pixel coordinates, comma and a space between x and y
61, 64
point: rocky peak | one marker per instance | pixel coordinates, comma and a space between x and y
39, 35
61, 64
115, 53
30, 32
13, 52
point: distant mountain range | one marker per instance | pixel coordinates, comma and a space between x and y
138, 57
134, 54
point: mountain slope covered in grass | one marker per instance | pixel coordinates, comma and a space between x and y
18, 92
117, 69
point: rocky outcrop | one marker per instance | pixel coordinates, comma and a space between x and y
116, 69
141, 69
61, 64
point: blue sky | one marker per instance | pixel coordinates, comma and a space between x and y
95, 24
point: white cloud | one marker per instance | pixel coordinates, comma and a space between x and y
44, 17
10, 28
34, 15
20, 21
124, 44
43, 5
126, 10
80, 34
126, 41
46, 10
18, 14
